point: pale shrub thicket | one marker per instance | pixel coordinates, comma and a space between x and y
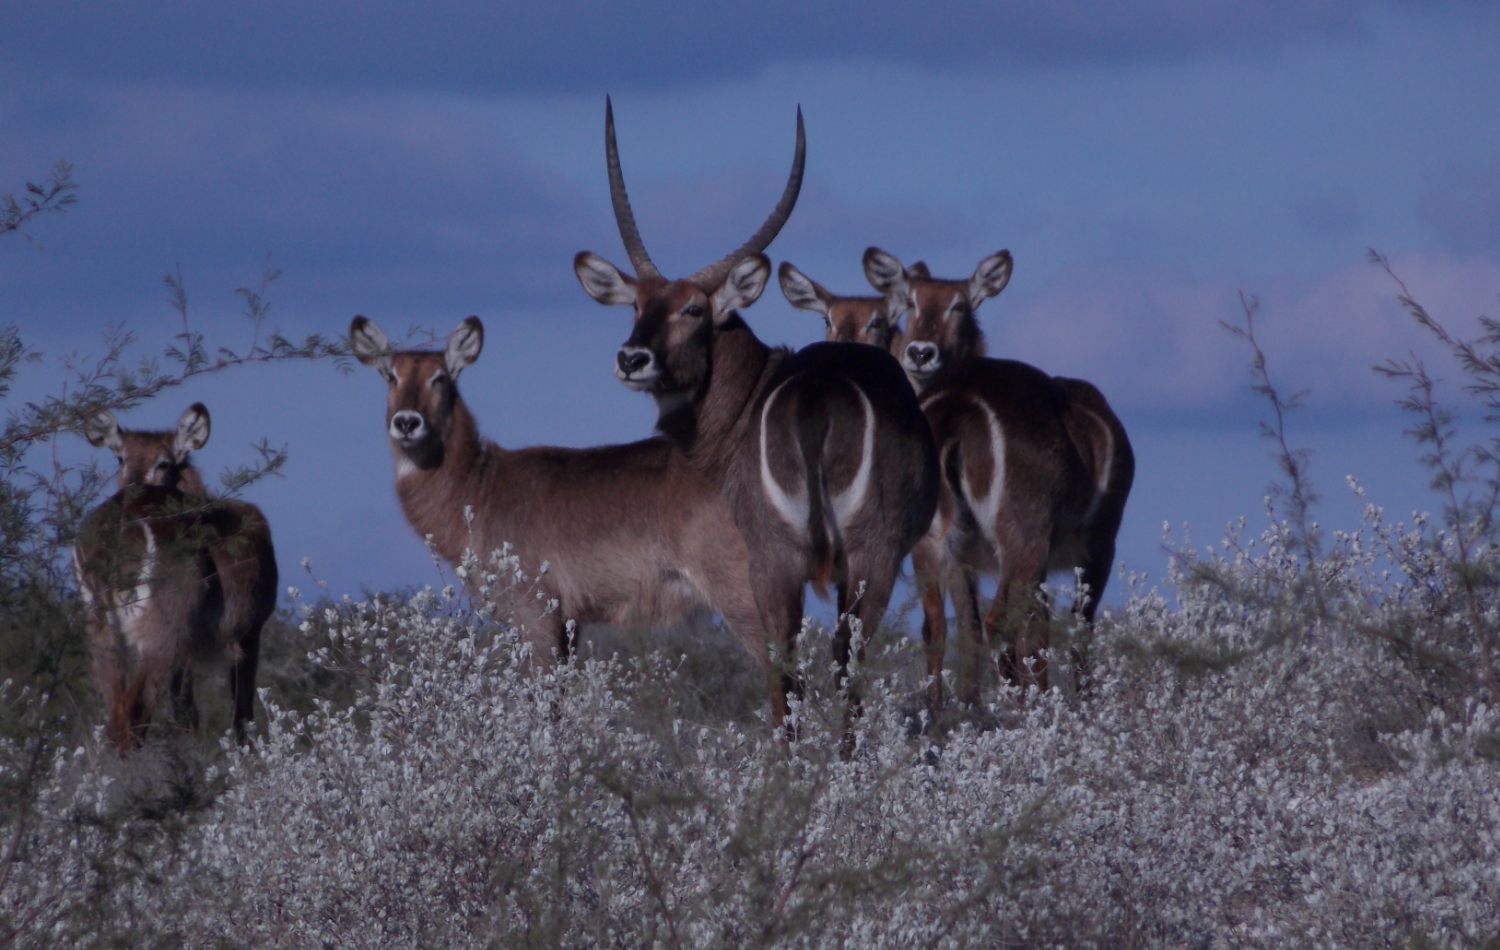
1252, 766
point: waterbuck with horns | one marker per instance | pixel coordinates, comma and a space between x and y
630, 533
823, 455
168, 576
1036, 470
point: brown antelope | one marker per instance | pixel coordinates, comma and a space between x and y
169, 576
871, 320
628, 533
1036, 468
823, 455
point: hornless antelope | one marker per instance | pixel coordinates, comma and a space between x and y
871, 320
169, 576
630, 533
1036, 472
823, 455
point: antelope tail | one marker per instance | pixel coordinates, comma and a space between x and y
825, 545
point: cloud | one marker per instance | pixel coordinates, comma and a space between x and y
373, 202
576, 45
1154, 343
1464, 208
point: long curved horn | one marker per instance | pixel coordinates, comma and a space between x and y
710, 277
629, 233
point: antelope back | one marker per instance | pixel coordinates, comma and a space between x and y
942, 327
869, 320
160, 459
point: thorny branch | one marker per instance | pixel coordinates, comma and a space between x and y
1470, 519
56, 193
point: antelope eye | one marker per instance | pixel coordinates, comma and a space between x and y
694, 310
162, 464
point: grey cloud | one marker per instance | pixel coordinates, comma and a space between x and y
368, 202
581, 45
380, 204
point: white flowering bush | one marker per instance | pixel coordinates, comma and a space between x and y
1245, 770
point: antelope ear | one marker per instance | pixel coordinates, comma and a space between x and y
604, 281
103, 431
990, 277
192, 430
919, 271
370, 346
744, 285
464, 345
885, 273
803, 292
894, 306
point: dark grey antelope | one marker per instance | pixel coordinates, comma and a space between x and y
630, 533
1036, 470
169, 576
823, 455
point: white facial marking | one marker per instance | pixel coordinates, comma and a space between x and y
848, 501
415, 434
793, 508
404, 466
987, 508
919, 373
639, 379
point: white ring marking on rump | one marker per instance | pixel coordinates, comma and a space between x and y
987, 509
790, 507
848, 501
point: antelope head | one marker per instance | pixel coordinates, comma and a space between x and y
423, 388
154, 458
667, 354
942, 328
869, 320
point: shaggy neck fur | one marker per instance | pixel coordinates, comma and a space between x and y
709, 426
433, 498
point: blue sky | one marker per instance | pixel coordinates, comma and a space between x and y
1143, 162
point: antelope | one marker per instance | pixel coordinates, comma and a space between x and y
614, 534
871, 320
1036, 468
823, 455
167, 576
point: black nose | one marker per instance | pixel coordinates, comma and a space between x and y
631, 361
921, 353
406, 423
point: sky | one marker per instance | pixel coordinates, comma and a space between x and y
1145, 163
